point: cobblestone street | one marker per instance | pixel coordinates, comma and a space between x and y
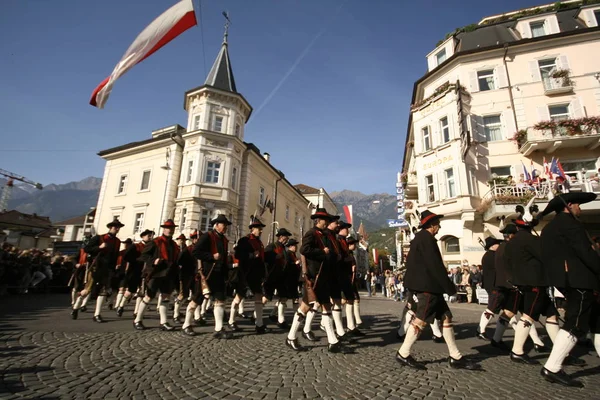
46, 355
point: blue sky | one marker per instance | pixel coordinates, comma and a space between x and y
338, 120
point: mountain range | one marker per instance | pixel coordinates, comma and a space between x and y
63, 201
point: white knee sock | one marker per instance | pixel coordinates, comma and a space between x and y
448, 333
73, 296
123, 300
138, 301
552, 328
232, 312
204, 306
197, 311
99, 302
241, 306
298, 317
140, 313
310, 315
350, 316
328, 324
412, 334
258, 310
77, 303
485, 319
85, 300
119, 299
501, 326
219, 312
560, 350
275, 309
356, 308
189, 316
281, 311
521, 333
337, 319
513, 322
533, 334
162, 311
176, 308
597, 343
159, 302
435, 328
209, 303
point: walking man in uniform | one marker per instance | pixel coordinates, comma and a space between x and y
133, 271
277, 263
187, 273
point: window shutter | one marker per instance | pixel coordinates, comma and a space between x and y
442, 185
543, 113
450, 126
477, 130
509, 124
501, 78
563, 62
526, 31
473, 82
534, 70
431, 62
552, 24
423, 190
576, 108
436, 186
457, 191
589, 18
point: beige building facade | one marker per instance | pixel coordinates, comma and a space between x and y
498, 100
191, 174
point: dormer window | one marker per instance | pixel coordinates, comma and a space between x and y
196, 122
426, 138
538, 28
218, 123
485, 79
440, 57
238, 130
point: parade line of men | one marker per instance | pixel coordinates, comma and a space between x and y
519, 274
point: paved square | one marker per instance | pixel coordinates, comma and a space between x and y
46, 355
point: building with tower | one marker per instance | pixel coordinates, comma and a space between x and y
193, 173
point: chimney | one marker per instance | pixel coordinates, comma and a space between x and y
267, 157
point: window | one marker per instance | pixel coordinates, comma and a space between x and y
492, 128
190, 171
597, 15
486, 80
440, 56
238, 130
503, 171
445, 129
450, 184
426, 138
204, 221
234, 178
196, 122
537, 29
296, 218
138, 223
183, 218
122, 184
261, 196
145, 185
430, 188
451, 245
578, 170
287, 213
473, 186
547, 67
212, 172
218, 123
559, 112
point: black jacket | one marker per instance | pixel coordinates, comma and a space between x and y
524, 257
313, 242
503, 271
204, 251
425, 269
488, 262
568, 256
245, 251
187, 263
105, 258
276, 260
168, 261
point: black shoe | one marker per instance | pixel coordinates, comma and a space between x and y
541, 348
560, 377
120, 311
223, 334
200, 321
463, 363
344, 338
178, 320
335, 347
273, 318
110, 306
189, 331
139, 326
310, 336
74, 313
523, 359
283, 325
499, 345
166, 327
134, 315
410, 362
294, 345
234, 327
83, 309
438, 339
576, 362
260, 330
98, 318
482, 336
355, 332
321, 327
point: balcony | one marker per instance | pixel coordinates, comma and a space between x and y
555, 86
549, 136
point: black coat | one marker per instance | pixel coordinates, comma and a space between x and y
168, 262
245, 251
488, 262
203, 251
425, 269
187, 263
564, 241
524, 256
313, 242
106, 258
503, 271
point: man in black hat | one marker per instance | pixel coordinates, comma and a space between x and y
320, 259
212, 251
187, 272
294, 270
489, 280
104, 251
277, 264
523, 255
345, 273
120, 275
352, 242
573, 265
250, 253
160, 257
427, 279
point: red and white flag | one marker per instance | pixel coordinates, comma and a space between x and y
161, 31
348, 213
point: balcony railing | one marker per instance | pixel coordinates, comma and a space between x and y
557, 86
548, 136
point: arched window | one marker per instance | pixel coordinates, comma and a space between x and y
451, 245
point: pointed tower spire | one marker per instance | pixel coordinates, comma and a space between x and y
221, 74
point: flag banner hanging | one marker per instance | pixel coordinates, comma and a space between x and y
526, 173
348, 213
161, 31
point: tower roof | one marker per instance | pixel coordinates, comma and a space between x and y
221, 74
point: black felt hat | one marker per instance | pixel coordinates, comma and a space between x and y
146, 232
344, 225
427, 217
322, 213
490, 241
115, 222
558, 203
283, 232
509, 229
256, 223
221, 219
168, 224
291, 242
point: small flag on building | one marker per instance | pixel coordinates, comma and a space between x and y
348, 213
526, 173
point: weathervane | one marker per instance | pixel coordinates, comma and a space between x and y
227, 23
